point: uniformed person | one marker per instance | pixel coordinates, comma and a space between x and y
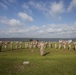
42, 48
0, 46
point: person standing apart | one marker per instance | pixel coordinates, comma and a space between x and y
42, 48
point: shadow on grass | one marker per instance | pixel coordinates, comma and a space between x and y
46, 53
74, 48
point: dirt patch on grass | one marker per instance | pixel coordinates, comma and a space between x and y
19, 68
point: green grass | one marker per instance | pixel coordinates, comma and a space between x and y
56, 62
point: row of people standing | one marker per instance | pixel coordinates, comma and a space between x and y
35, 44
44, 45
18, 45
65, 46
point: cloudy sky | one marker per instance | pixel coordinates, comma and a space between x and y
38, 18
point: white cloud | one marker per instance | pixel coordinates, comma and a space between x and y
14, 22
47, 31
25, 6
56, 8
50, 30
52, 9
38, 5
24, 16
10, 22
72, 5
3, 5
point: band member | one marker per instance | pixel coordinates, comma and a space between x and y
69, 46
26, 44
17, 45
20, 45
0, 46
55, 45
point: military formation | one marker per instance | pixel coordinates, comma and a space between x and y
62, 44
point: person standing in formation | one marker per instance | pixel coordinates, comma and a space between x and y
55, 45
5, 44
64, 44
16, 44
11, 45
69, 46
30, 45
46, 44
59, 45
38, 45
26, 45
50, 44
20, 45
34, 45
0, 46
74, 45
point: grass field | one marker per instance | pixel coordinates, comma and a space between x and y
55, 62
